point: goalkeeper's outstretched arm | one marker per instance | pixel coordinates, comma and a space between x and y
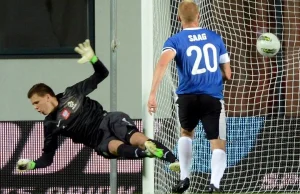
45, 160
50, 146
26, 164
101, 72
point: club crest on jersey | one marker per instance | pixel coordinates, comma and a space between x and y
65, 114
72, 104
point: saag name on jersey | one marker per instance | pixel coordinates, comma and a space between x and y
197, 37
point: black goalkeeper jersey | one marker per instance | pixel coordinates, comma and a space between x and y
76, 116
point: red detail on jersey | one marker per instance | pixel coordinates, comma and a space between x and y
65, 114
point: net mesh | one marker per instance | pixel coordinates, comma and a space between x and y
262, 99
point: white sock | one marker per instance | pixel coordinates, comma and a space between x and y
218, 166
185, 156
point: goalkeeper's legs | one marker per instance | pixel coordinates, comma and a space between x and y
156, 148
119, 149
131, 143
141, 147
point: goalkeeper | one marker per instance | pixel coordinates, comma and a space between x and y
73, 114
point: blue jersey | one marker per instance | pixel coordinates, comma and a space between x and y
199, 54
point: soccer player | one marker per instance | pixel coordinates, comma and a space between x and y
202, 64
73, 114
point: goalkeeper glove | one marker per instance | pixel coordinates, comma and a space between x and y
25, 164
86, 52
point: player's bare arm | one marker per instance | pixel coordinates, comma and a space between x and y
226, 71
163, 62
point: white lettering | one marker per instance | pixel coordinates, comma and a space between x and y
124, 190
91, 190
279, 181
57, 190
69, 190
98, 164
289, 179
16, 191
75, 191
197, 37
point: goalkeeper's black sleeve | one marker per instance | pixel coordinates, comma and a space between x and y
50, 146
45, 160
88, 85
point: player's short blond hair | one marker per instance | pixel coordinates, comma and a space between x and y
188, 11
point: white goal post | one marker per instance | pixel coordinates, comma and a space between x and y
147, 72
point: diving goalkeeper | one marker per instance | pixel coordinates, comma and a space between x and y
72, 114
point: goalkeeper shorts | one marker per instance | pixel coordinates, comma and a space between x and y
115, 126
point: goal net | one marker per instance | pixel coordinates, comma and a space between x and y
262, 100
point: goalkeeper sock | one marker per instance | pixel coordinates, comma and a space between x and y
218, 166
168, 155
185, 156
131, 152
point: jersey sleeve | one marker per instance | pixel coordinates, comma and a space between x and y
50, 146
224, 57
90, 84
170, 45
